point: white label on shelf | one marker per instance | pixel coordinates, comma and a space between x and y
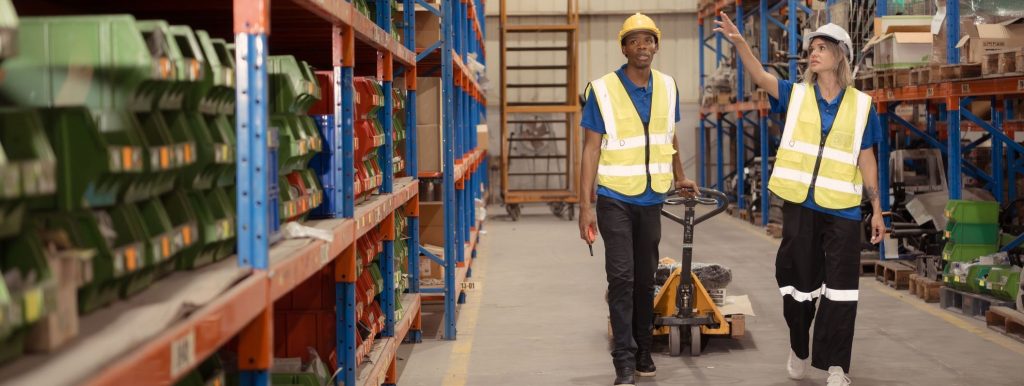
965, 88
930, 91
183, 353
1020, 84
325, 253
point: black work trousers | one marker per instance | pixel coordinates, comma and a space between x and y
819, 258
631, 235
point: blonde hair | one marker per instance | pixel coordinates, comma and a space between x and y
844, 74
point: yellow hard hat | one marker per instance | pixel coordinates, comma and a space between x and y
639, 22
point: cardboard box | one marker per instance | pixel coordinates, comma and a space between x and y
902, 49
982, 39
482, 137
428, 101
890, 24
430, 269
432, 238
428, 28
431, 223
429, 152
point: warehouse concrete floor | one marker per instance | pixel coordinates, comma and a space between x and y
538, 317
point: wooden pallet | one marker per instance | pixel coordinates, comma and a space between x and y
864, 81
952, 72
902, 77
867, 266
924, 288
1003, 62
973, 305
894, 274
1006, 320
775, 230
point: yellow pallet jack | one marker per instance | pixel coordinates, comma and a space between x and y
683, 309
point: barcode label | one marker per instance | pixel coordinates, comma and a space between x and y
183, 353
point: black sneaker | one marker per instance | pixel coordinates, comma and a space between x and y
644, 364
625, 377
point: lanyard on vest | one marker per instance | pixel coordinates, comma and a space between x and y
821, 146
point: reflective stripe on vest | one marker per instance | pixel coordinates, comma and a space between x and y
839, 183
624, 145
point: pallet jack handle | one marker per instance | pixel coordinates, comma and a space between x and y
707, 197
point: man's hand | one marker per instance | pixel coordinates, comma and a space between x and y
877, 228
588, 225
687, 186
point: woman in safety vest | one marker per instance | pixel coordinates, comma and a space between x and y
824, 164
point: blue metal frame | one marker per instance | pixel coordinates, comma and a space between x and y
449, 145
256, 208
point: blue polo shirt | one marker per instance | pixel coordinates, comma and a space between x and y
828, 111
641, 97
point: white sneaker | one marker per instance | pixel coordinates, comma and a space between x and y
836, 377
797, 367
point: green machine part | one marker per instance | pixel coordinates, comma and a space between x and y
29, 290
83, 71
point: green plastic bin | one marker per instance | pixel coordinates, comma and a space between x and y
967, 252
972, 212
966, 233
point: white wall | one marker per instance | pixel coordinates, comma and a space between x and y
599, 51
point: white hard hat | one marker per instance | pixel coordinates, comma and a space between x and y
835, 33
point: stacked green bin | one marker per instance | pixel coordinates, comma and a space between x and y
1004, 282
972, 230
27, 290
27, 178
293, 91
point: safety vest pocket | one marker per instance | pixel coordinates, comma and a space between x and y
789, 159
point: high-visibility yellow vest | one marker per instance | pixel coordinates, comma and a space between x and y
633, 156
838, 183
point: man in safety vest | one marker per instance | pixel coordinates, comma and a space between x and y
631, 149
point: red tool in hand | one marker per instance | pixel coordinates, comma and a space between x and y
591, 237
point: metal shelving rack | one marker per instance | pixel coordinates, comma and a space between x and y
263, 273
949, 101
743, 112
463, 108
944, 101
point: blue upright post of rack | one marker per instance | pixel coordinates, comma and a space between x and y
448, 174
1012, 169
411, 150
792, 33
343, 43
385, 158
701, 130
253, 171
741, 151
997, 151
762, 49
953, 148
